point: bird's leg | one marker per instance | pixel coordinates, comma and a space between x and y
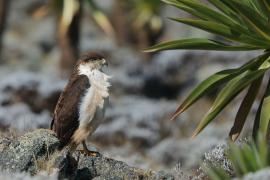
88, 152
78, 157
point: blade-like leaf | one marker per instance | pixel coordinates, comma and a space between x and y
262, 8
266, 4
199, 44
217, 17
250, 157
256, 124
211, 14
226, 10
257, 7
244, 109
224, 31
215, 172
205, 13
257, 156
233, 88
205, 87
247, 164
181, 6
257, 121
263, 148
265, 112
237, 158
215, 81
252, 18
209, 26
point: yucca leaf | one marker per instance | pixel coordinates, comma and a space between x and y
252, 18
223, 7
237, 158
221, 173
256, 124
257, 7
181, 6
211, 173
211, 14
224, 31
209, 26
215, 81
257, 155
233, 88
263, 148
244, 109
266, 4
265, 112
250, 157
246, 160
215, 173
205, 87
263, 9
199, 44
241, 34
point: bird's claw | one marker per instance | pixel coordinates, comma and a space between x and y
90, 153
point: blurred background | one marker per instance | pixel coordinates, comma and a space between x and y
40, 40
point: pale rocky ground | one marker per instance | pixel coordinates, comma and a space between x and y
37, 153
143, 94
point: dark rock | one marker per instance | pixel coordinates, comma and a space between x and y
4, 143
107, 178
24, 154
105, 168
66, 164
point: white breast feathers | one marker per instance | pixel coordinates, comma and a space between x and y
95, 95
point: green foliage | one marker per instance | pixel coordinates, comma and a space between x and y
245, 26
245, 158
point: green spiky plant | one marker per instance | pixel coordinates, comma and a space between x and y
245, 158
245, 26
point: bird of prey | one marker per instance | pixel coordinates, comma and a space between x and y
81, 106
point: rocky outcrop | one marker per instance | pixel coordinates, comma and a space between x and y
37, 152
23, 153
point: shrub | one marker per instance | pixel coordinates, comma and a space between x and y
244, 26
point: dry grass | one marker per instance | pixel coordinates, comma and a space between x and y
47, 163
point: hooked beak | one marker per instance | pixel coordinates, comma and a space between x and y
104, 62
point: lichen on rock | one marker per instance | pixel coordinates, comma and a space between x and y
38, 151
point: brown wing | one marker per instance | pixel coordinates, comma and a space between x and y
66, 114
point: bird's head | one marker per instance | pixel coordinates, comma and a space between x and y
92, 61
